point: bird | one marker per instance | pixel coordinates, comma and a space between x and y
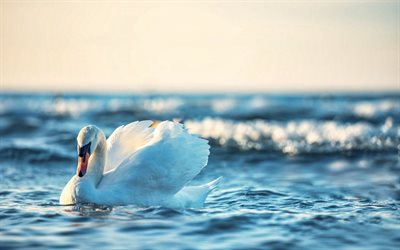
139, 164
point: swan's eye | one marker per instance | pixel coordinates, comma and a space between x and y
84, 149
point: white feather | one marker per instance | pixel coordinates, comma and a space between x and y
147, 166
125, 140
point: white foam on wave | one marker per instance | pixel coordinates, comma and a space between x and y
151, 105
72, 107
223, 105
53, 106
162, 105
297, 136
234, 106
230, 106
75, 107
373, 109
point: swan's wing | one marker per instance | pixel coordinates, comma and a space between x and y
125, 140
171, 159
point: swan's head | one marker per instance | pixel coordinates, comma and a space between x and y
88, 139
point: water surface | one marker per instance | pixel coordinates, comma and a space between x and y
300, 172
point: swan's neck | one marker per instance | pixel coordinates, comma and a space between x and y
96, 162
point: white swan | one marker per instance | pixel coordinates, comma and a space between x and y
139, 165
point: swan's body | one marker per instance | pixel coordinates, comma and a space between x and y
139, 165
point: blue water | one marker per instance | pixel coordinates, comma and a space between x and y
300, 172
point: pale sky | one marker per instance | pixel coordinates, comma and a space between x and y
200, 46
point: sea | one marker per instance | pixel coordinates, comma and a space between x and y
300, 171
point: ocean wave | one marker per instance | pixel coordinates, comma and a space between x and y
297, 137
28, 153
235, 107
282, 109
239, 107
57, 106
76, 107
377, 109
15, 124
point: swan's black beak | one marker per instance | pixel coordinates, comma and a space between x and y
83, 159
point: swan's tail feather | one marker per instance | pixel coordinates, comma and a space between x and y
213, 184
207, 188
194, 196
